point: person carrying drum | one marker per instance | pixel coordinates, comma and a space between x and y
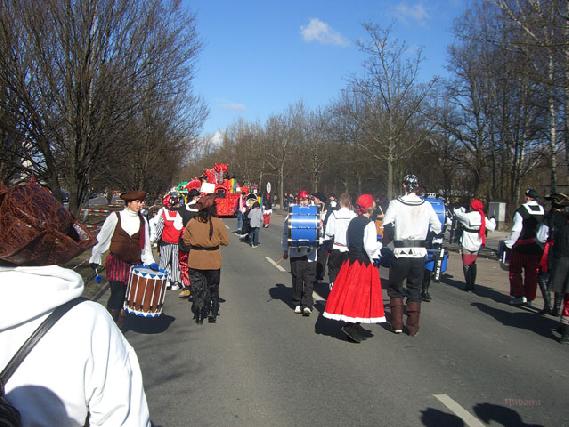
525, 252
126, 234
475, 224
204, 235
83, 371
302, 266
407, 222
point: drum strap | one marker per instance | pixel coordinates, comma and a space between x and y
410, 243
201, 248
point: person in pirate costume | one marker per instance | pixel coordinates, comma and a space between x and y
526, 252
169, 230
356, 296
407, 222
126, 235
474, 227
83, 368
335, 232
188, 211
204, 235
555, 260
302, 266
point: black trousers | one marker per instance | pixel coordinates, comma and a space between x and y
205, 292
321, 257
303, 278
335, 261
118, 294
406, 278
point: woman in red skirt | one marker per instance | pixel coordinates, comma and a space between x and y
356, 296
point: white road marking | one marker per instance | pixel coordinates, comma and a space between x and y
469, 419
274, 264
280, 268
317, 297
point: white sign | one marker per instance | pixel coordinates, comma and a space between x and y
268, 188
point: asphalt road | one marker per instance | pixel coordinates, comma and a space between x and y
476, 361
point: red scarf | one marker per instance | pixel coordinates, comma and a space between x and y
477, 205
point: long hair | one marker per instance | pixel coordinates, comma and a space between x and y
205, 215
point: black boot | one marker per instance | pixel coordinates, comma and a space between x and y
466, 269
425, 296
212, 317
473, 270
557, 300
542, 282
564, 335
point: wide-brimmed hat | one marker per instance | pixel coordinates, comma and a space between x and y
131, 196
36, 229
558, 199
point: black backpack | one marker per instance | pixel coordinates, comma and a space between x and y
9, 415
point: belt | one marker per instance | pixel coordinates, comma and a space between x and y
410, 243
470, 230
201, 248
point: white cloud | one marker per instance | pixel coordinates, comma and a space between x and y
416, 12
321, 32
239, 108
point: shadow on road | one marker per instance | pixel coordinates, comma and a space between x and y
283, 293
479, 290
500, 414
327, 327
434, 418
147, 325
523, 320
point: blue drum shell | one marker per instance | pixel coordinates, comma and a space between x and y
303, 226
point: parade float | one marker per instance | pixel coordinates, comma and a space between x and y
216, 181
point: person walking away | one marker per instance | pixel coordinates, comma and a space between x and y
475, 224
187, 212
82, 371
204, 235
267, 210
125, 234
302, 266
407, 222
526, 255
356, 296
255, 220
335, 232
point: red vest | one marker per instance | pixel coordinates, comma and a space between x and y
173, 227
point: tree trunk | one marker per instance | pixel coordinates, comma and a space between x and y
553, 126
281, 185
389, 179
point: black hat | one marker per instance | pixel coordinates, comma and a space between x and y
532, 193
558, 199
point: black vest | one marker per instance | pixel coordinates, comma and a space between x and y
355, 238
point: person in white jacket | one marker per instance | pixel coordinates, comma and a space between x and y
474, 227
83, 368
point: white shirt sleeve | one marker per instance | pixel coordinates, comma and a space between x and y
390, 214
104, 239
147, 257
490, 224
516, 227
330, 227
371, 245
542, 233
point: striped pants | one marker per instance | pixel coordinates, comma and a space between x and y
169, 261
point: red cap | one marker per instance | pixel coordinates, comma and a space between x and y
365, 201
302, 194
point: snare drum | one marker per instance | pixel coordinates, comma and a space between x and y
145, 291
303, 226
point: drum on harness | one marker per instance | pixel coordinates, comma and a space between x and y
303, 226
145, 291
440, 209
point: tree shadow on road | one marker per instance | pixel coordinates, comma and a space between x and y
148, 325
434, 418
522, 320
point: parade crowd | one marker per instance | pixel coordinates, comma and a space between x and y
98, 379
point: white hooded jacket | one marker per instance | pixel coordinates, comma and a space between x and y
83, 365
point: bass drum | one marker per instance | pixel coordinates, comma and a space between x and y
303, 226
440, 209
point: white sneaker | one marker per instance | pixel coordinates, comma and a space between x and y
297, 309
175, 287
518, 301
306, 311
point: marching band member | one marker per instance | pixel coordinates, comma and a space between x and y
525, 251
126, 234
474, 226
205, 234
302, 266
356, 295
408, 221
169, 229
336, 229
267, 210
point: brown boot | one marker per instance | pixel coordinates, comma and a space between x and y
413, 314
396, 305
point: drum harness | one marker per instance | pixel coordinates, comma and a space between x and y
410, 243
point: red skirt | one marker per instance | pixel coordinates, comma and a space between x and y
356, 295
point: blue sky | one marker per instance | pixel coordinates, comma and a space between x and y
259, 57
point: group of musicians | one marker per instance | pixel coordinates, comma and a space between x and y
539, 248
